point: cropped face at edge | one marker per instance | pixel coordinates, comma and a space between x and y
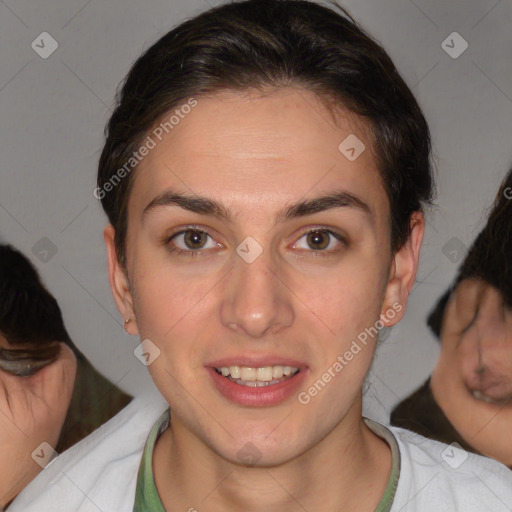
472, 381
241, 284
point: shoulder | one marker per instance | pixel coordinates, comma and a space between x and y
438, 477
99, 472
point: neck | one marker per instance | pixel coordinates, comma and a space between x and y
348, 469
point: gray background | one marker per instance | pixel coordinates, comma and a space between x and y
53, 111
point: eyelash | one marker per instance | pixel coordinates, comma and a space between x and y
182, 252
198, 252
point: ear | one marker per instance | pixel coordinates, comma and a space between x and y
120, 284
404, 267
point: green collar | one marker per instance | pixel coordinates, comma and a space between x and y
146, 494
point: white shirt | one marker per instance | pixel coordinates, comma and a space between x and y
99, 473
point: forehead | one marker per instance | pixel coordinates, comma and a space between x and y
253, 149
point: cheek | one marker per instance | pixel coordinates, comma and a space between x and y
174, 312
166, 299
455, 362
347, 299
466, 355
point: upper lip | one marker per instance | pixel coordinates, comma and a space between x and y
256, 362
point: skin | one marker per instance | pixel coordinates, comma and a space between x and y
32, 411
256, 154
476, 355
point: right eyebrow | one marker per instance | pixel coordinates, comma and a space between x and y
200, 205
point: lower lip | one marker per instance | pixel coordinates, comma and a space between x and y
264, 396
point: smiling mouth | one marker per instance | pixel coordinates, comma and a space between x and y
257, 377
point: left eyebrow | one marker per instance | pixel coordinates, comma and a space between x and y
341, 199
205, 206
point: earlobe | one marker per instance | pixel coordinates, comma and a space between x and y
404, 267
119, 284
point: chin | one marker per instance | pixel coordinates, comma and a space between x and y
250, 455
258, 451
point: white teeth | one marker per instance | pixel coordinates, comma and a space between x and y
234, 371
277, 372
264, 374
484, 398
254, 376
253, 384
248, 373
478, 395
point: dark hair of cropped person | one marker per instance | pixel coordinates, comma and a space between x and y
265, 44
489, 257
29, 314
31, 317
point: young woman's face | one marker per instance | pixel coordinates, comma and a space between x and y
226, 274
472, 381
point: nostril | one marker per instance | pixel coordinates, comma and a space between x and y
480, 370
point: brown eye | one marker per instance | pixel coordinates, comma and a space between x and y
192, 242
318, 240
321, 241
195, 239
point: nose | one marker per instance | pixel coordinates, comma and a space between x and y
256, 301
487, 348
